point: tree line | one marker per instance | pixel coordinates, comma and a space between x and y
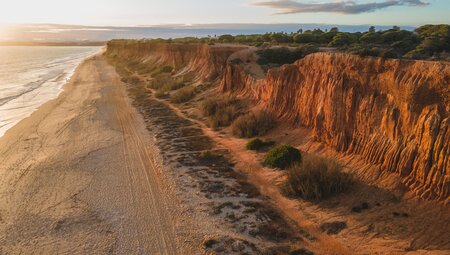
425, 42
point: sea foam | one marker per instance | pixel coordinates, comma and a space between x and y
31, 76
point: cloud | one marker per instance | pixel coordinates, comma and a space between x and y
346, 7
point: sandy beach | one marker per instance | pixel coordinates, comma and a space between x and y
79, 177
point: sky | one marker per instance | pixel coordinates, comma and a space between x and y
152, 12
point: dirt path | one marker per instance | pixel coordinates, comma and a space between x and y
358, 238
79, 177
321, 243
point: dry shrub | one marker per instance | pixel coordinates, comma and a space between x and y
132, 80
160, 81
254, 124
220, 111
166, 69
174, 86
208, 155
183, 95
161, 93
317, 178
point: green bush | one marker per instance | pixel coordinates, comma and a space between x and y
278, 56
183, 95
416, 54
371, 38
389, 54
283, 55
340, 40
365, 51
226, 38
252, 124
257, 144
282, 157
259, 44
316, 178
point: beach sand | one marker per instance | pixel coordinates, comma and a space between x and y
79, 177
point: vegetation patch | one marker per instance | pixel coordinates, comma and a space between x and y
317, 178
425, 42
166, 69
174, 86
282, 157
283, 55
254, 124
361, 207
220, 111
163, 89
257, 144
132, 80
273, 232
208, 155
183, 95
160, 93
333, 228
301, 251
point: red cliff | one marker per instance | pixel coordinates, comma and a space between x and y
199, 61
393, 113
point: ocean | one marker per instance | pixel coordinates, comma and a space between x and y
33, 75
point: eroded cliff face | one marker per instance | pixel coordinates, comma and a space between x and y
393, 113
199, 62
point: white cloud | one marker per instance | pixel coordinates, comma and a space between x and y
346, 7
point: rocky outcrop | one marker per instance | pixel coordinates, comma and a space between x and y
200, 62
393, 113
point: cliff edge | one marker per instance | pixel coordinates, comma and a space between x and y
392, 113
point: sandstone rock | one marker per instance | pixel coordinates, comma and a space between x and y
394, 113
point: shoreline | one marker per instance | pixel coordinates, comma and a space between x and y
73, 174
69, 73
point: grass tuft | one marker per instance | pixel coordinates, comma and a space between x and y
316, 178
253, 124
183, 95
160, 93
220, 111
166, 69
208, 155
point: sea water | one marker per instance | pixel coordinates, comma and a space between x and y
33, 75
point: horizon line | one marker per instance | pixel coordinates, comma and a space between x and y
205, 24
